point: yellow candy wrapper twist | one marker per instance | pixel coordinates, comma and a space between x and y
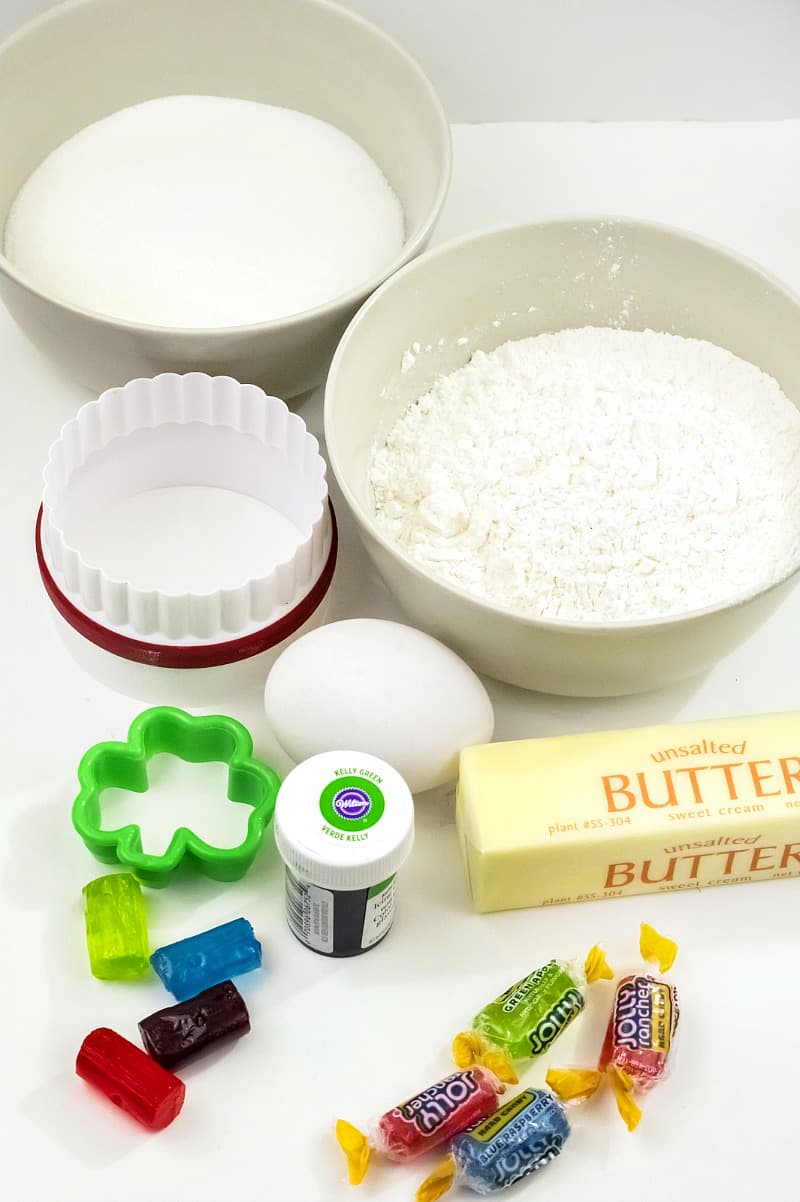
639, 1036
596, 967
470, 1048
657, 949
438, 1182
356, 1148
622, 1084
574, 1084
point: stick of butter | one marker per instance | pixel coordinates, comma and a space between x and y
582, 817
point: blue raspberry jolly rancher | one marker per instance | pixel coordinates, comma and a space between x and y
520, 1138
344, 824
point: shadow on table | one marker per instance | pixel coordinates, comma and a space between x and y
98, 1135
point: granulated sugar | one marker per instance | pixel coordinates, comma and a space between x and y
196, 211
597, 474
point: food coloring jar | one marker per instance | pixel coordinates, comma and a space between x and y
344, 824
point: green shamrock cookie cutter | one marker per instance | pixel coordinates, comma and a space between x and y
197, 740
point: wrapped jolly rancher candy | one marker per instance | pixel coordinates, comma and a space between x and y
638, 1041
529, 1016
430, 1118
524, 1135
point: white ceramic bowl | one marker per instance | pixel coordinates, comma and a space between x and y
513, 283
88, 58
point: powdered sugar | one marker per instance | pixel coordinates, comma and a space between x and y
597, 474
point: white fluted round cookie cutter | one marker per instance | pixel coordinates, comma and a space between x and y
161, 432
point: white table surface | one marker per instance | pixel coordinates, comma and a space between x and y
353, 1037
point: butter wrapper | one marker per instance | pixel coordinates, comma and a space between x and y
608, 814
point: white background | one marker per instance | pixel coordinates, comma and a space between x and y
354, 1037
590, 60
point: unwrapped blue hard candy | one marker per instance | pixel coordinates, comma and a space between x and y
194, 964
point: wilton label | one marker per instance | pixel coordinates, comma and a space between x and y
309, 911
350, 807
378, 913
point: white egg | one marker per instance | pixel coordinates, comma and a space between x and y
383, 688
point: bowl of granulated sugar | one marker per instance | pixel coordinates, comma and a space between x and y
572, 450
207, 185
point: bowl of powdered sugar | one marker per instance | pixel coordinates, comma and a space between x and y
573, 450
187, 184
